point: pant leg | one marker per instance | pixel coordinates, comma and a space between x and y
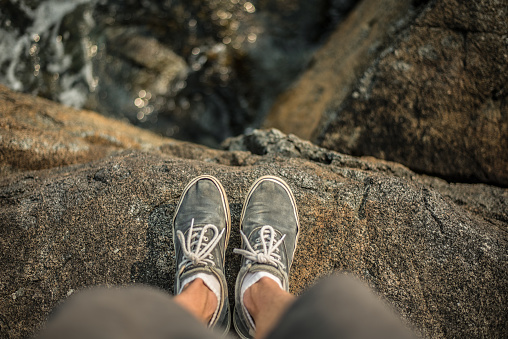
126, 313
339, 307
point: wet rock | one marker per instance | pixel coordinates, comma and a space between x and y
436, 251
223, 62
433, 97
147, 69
160, 67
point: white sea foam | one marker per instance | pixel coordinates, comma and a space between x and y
16, 47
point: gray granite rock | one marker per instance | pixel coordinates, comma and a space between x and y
100, 214
442, 265
422, 83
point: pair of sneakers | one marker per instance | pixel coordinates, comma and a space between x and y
201, 228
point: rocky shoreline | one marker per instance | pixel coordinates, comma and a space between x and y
420, 83
437, 251
391, 128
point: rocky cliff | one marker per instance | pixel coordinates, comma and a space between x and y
88, 201
422, 83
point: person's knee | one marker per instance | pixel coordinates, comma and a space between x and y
340, 305
102, 312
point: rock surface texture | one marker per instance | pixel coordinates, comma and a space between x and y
438, 252
35, 133
429, 93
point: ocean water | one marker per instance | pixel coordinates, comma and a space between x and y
32, 49
195, 70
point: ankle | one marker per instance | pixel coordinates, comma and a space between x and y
209, 297
249, 301
257, 295
211, 305
198, 299
266, 302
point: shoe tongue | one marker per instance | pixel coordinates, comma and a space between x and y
209, 233
202, 224
267, 234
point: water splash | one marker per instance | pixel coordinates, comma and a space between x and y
30, 52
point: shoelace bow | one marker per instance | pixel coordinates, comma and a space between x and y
196, 249
265, 250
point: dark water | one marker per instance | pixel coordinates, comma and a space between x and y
194, 70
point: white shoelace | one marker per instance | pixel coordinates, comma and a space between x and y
195, 249
265, 250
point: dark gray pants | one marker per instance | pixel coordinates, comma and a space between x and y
337, 307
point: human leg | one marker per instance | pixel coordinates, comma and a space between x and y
266, 302
269, 227
198, 299
339, 307
201, 229
122, 313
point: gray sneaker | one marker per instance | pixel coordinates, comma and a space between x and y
269, 227
201, 229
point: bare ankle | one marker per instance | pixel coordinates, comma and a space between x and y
259, 298
254, 296
198, 299
266, 301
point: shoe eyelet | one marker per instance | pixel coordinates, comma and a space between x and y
257, 240
211, 256
205, 238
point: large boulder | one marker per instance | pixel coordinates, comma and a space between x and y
336, 66
36, 133
436, 251
430, 92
